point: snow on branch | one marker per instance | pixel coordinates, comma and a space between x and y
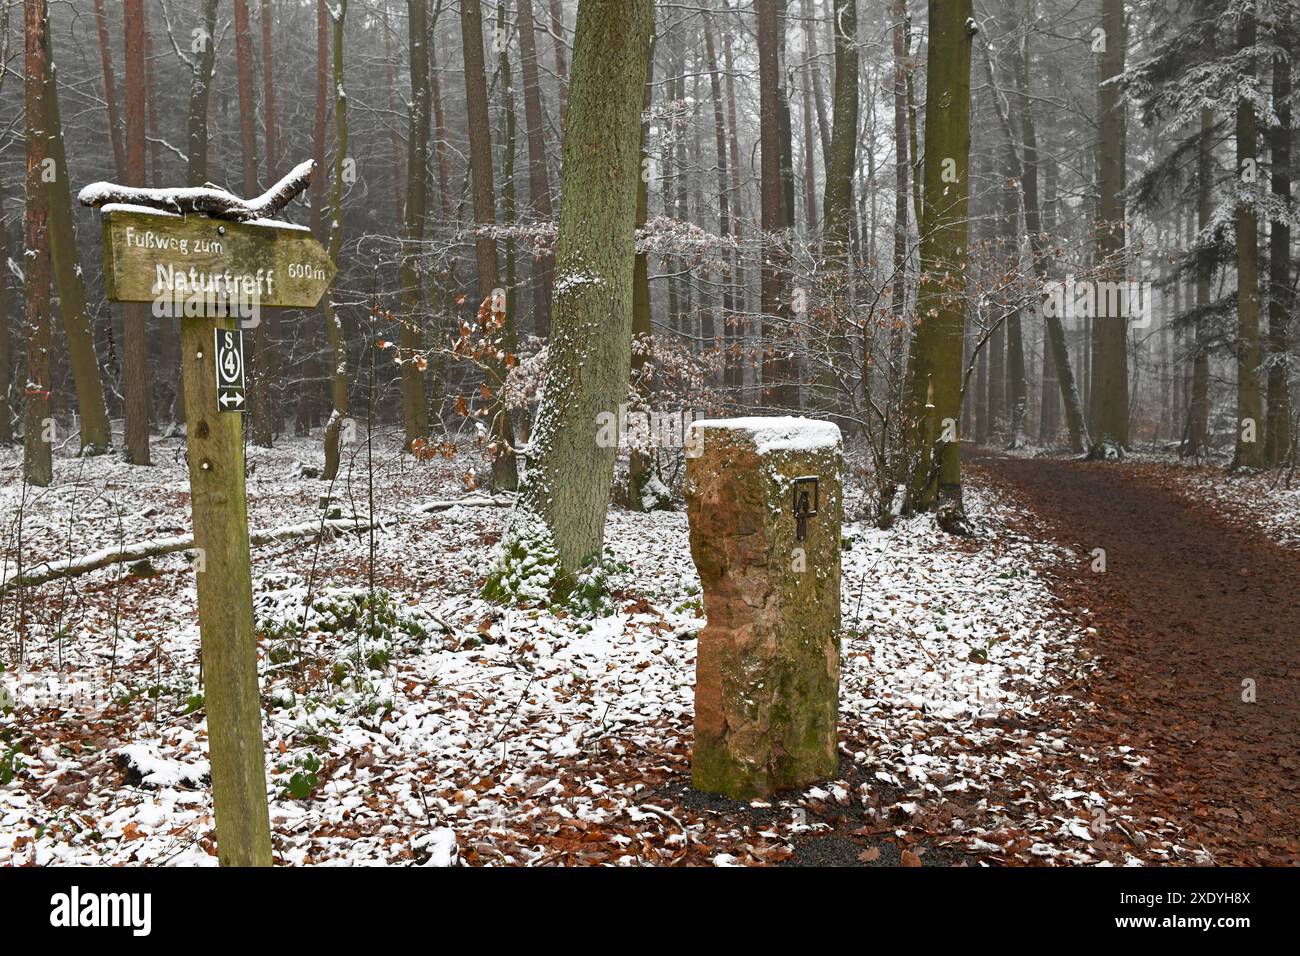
209, 200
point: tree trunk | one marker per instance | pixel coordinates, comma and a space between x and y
259, 405
837, 206
1250, 409
6, 347
274, 385
1277, 430
268, 95
509, 136
151, 109
810, 26
561, 68
736, 203
726, 336
640, 462
1054, 330
333, 322
778, 390
539, 183
935, 373
809, 162
1199, 414
899, 294
165, 332
504, 473
308, 398
196, 125
1050, 404
415, 408
135, 347
196, 119
38, 468
1112, 330
110, 91
1015, 387
247, 98
93, 413
566, 492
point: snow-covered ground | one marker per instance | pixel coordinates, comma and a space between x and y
427, 726
1259, 500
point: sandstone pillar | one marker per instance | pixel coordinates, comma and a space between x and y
767, 673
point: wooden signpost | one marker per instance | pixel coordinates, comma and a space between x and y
148, 253
210, 259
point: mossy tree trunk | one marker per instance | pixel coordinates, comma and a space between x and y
93, 413
934, 384
566, 492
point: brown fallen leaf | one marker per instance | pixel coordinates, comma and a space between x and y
909, 858
132, 832
870, 855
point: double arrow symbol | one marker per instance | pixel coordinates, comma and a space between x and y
231, 398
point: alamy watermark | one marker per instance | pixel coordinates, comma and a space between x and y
648, 429
1095, 299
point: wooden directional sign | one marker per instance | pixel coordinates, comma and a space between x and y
230, 370
185, 262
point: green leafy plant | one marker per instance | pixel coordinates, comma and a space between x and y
303, 781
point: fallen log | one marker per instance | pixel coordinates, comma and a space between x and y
156, 547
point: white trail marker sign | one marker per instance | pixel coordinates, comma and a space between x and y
230, 369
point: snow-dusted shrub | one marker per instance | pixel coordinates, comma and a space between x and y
527, 571
351, 630
590, 597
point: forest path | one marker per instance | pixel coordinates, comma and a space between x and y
1189, 607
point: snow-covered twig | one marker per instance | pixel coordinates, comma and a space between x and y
209, 200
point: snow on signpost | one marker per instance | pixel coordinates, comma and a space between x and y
764, 501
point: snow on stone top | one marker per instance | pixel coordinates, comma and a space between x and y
779, 433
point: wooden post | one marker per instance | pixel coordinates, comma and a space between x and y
230, 694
